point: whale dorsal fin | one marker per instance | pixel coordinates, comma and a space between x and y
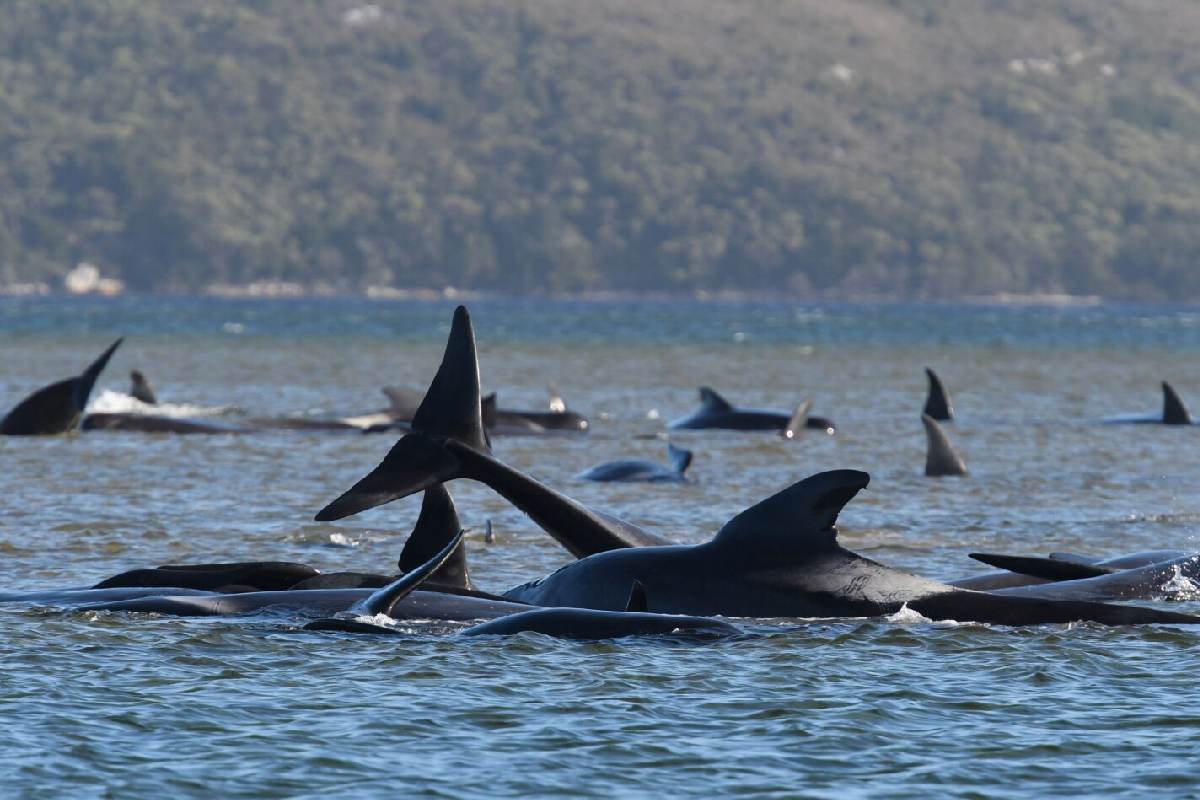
937, 403
1174, 411
680, 459
1051, 569
487, 410
402, 403
940, 456
713, 401
436, 525
384, 600
637, 598
140, 389
797, 422
451, 406
56, 408
557, 404
801, 515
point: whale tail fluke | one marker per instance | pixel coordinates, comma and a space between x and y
450, 410
1174, 411
437, 524
937, 402
940, 456
680, 458
56, 408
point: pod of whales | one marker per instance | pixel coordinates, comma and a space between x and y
1174, 412
779, 558
940, 456
717, 412
639, 470
56, 408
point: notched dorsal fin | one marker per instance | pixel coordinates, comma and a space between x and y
797, 422
711, 400
437, 524
937, 402
940, 456
637, 598
1051, 569
1174, 411
451, 406
680, 459
384, 600
802, 514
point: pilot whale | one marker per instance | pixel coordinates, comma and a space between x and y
940, 456
448, 441
1174, 412
58, 407
780, 558
640, 470
937, 400
717, 412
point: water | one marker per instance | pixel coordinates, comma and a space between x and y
99, 705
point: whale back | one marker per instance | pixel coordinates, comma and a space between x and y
937, 402
799, 518
940, 456
56, 408
1174, 411
437, 524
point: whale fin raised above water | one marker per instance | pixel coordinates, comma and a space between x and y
797, 422
1051, 569
56, 408
940, 456
801, 515
382, 601
713, 401
637, 599
451, 407
937, 402
680, 458
437, 524
1174, 411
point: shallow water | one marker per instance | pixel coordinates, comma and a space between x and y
137, 706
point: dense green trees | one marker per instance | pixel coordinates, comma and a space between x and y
909, 147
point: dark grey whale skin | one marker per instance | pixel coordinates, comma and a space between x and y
58, 407
1008, 579
582, 623
87, 595
717, 412
1138, 583
642, 471
780, 558
1174, 412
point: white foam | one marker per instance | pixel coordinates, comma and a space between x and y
110, 402
1180, 586
907, 616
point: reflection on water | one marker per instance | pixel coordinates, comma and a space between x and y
153, 707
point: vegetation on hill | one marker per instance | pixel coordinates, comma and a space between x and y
884, 147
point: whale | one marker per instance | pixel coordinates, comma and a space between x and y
447, 440
941, 458
1174, 412
937, 400
154, 423
84, 595
256, 575
717, 412
1177, 578
56, 408
140, 389
496, 420
1022, 570
780, 558
640, 470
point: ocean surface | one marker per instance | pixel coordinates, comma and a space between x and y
141, 706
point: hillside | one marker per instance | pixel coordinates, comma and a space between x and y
891, 148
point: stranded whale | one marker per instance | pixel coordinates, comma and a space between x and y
1174, 412
56, 408
635, 470
717, 412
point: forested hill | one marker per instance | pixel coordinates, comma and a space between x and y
907, 147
